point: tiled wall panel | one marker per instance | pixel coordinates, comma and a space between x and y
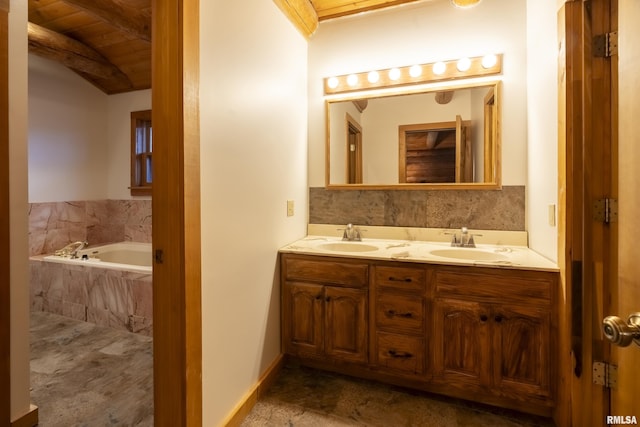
478, 209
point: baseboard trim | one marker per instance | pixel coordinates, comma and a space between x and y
30, 419
249, 400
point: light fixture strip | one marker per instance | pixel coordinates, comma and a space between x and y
387, 78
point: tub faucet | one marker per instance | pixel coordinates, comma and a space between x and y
71, 250
351, 233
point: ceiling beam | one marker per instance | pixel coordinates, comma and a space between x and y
118, 14
73, 54
301, 14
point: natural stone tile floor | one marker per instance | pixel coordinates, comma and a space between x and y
87, 375
305, 397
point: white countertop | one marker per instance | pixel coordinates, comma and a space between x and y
499, 253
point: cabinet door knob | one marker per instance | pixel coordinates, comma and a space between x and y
498, 318
484, 318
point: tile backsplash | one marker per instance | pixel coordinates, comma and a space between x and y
52, 225
478, 209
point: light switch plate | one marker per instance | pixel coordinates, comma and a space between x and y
552, 215
290, 209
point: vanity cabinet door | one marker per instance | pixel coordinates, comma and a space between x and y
522, 353
302, 318
345, 323
462, 344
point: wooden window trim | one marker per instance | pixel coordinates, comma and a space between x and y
139, 159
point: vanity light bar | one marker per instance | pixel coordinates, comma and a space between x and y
421, 73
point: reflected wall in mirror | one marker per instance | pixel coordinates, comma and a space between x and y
439, 137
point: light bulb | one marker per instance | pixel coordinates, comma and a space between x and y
439, 68
333, 82
352, 80
463, 64
373, 77
415, 71
394, 74
464, 4
489, 61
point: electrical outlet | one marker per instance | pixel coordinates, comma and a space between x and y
290, 210
552, 215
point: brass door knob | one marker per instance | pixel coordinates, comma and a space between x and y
620, 332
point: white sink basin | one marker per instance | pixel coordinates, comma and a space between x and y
469, 254
347, 247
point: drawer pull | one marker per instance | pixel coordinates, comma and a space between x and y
392, 313
395, 279
400, 354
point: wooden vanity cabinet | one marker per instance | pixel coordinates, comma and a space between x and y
324, 313
493, 334
478, 333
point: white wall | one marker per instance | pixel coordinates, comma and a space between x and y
542, 108
19, 352
67, 135
422, 33
79, 137
119, 108
253, 151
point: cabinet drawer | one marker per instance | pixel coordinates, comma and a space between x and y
400, 312
520, 287
400, 353
354, 275
402, 278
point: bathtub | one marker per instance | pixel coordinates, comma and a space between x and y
128, 256
112, 286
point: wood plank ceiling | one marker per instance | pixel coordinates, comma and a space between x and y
328, 9
108, 42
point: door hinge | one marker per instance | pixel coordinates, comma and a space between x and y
605, 45
605, 374
605, 210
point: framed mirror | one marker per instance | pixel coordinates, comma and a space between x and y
429, 138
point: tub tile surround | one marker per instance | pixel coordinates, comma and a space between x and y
478, 209
52, 225
113, 298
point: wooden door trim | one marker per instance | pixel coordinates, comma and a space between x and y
5, 249
177, 367
584, 95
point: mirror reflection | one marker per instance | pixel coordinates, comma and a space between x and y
447, 136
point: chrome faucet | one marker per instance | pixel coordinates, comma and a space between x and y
465, 240
71, 250
351, 233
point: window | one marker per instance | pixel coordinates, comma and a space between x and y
141, 149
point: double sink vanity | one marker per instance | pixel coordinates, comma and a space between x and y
403, 306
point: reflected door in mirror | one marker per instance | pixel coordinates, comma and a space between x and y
354, 151
435, 152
